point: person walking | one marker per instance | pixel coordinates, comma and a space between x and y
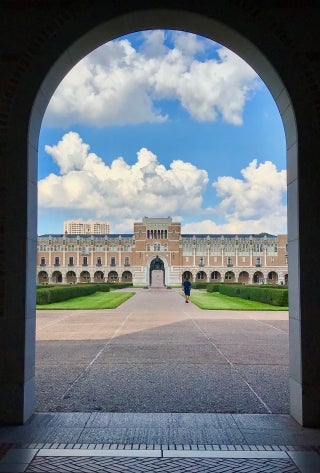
186, 289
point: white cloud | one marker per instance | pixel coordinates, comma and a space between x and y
276, 226
122, 193
119, 192
253, 204
259, 193
118, 84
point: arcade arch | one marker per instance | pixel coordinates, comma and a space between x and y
244, 277
71, 277
45, 71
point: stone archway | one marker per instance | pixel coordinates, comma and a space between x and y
38, 58
157, 272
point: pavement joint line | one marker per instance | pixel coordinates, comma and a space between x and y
97, 355
230, 364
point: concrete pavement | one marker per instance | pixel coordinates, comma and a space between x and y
160, 385
157, 354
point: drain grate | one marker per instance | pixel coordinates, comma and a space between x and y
159, 465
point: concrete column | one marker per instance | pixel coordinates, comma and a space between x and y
304, 295
17, 309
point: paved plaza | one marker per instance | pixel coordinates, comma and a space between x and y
158, 385
157, 354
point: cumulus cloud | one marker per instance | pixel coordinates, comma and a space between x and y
119, 192
253, 204
118, 84
122, 193
259, 193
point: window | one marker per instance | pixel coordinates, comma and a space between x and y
113, 261
99, 261
156, 247
229, 263
84, 261
126, 261
43, 262
57, 261
70, 261
258, 261
70, 247
201, 263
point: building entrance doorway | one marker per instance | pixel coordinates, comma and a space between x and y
157, 273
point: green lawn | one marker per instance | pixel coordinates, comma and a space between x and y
99, 300
217, 301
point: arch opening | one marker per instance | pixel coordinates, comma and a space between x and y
145, 20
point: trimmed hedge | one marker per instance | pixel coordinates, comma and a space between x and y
119, 285
269, 295
48, 295
213, 287
199, 285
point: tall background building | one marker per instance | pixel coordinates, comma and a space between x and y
78, 227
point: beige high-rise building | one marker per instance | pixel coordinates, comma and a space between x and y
78, 227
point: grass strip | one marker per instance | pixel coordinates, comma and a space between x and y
217, 301
98, 300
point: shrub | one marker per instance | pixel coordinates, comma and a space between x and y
48, 295
261, 293
199, 285
119, 285
213, 287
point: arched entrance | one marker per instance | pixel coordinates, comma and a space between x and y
71, 277
43, 277
187, 275
56, 277
36, 71
244, 277
157, 273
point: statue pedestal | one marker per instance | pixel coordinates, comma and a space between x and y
157, 278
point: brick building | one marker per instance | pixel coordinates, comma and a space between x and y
157, 243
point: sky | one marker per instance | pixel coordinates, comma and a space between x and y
163, 123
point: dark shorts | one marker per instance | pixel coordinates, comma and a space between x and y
187, 292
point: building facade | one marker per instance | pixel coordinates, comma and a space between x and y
157, 244
86, 228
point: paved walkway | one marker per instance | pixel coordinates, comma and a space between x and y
157, 354
164, 441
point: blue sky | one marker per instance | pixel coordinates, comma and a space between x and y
163, 123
